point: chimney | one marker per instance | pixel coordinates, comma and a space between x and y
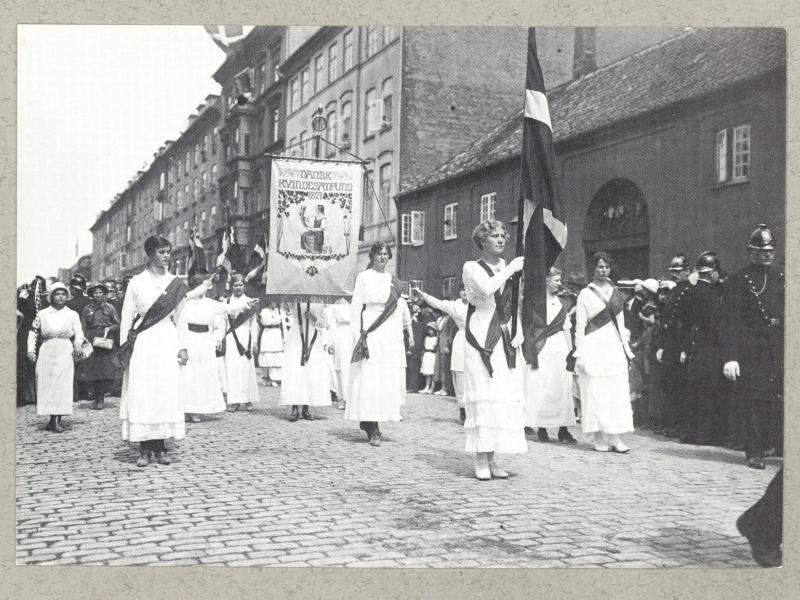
584, 59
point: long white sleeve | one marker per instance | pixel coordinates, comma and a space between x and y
581, 319
182, 325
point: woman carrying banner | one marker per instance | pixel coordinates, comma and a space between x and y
201, 326
548, 388
602, 355
151, 405
241, 384
495, 408
58, 328
271, 343
456, 310
375, 387
100, 322
305, 368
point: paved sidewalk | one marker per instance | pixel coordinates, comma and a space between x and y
255, 489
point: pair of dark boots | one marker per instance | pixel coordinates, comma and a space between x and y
306, 414
54, 424
149, 448
372, 430
564, 436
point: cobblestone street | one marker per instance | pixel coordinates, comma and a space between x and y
254, 489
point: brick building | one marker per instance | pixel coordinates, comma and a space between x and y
678, 147
82, 267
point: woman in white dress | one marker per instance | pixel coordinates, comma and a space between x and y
270, 343
152, 404
341, 338
241, 383
456, 310
548, 389
201, 326
375, 393
305, 368
493, 397
59, 330
602, 354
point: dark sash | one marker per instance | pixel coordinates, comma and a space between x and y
361, 351
307, 346
160, 309
233, 325
611, 309
557, 324
498, 327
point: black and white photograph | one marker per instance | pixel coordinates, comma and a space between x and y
393, 296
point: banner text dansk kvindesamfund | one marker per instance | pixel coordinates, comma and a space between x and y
318, 181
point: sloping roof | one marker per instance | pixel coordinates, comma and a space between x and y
690, 65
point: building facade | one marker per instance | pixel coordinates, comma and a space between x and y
645, 170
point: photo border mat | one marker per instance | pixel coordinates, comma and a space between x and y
87, 582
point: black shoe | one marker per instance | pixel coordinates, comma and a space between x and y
307, 415
529, 431
756, 463
295, 415
375, 440
565, 437
541, 435
462, 415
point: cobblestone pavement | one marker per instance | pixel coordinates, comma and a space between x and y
254, 489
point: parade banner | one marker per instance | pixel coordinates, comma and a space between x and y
315, 213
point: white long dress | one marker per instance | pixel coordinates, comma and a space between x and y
307, 384
151, 405
200, 376
602, 369
241, 384
61, 333
548, 389
456, 310
270, 344
372, 396
494, 406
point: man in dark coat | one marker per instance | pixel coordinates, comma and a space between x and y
751, 339
701, 421
668, 339
414, 355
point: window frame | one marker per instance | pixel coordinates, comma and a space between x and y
491, 206
452, 234
740, 159
405, 229
319, 69
448, 287
417, 226
347, 51
386, 115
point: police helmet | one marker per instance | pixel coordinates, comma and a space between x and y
708, 261
761, 238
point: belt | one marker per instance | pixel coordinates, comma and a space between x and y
195, 328
433, 351
271, 326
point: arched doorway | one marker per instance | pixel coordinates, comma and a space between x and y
617, 222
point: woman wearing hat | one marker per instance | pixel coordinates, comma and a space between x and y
100, 323
602, 354
59, 330
493, 396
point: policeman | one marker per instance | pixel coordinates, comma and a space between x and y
701, 422
669, 338
751, 340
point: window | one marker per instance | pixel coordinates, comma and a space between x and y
417, 227
212, 218
181, 168
732, 160
214, 175
188, 160
196, 188
332, 131
304, 96
294, 94
372, 41
275, 60
417, 283
385, 190
262, 76
741, 152
204, 180
371, 116
347, 120
333, 62
448, 287
389, 35
319, 73
366, 207
302, 144
197, 154
128, 233
405, 229
186, 193
247, 143
162, 181
204, 149
171, 172
386, 95
202, 223
275, 118
722, 156
487, 206
451, 221
292, 147
347, 47
214, 137
179, 201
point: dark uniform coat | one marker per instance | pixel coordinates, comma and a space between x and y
752, 334
670, 336
97, 322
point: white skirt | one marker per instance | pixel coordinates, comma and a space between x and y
55, 369
151, 405
548, 389
307, 384
605, 403
241, 383
428, 365
200, 376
